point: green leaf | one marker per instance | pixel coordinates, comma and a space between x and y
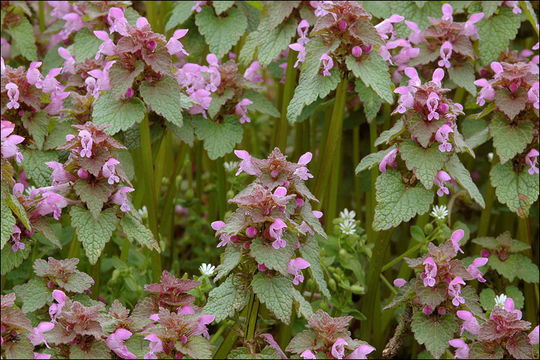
226, 299
432, 296
249, 48
221, 33
24, 39
434, 331
184, 133
516, 295
121, 114
77, 282
419, 14
92, 232
222, 6
372, 101
516, 190
272, 42
181, 12
94, 195
22, 349
85, 45
396, 202
425, 163
487, 299
495, 33
35, 167
311, 252
489, 7
510, 104
515, 266
37, 125
44, 228
417, 233
121, 79
11, 260
459, 173
420, 127
35, 295
370, 160
270, 257
304, 306
302, 341
164, 98
8, 221
276, 293
510, 140
373, 71
98, 350
137, 344
464, 77
218, 101
261, 103
278, 11
219, 138
57, 136
472, 302
135, 230
230, 258
197, 347
18, 210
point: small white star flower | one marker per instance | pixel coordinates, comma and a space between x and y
348, 227
143, 212
207, 269
439, 212
230, 166
347, 215
500, 300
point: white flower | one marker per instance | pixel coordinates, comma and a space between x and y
500, 300
348, 227
347, 215
143, 212
207, 269
29, 190
490, 156
439, 212
230, 166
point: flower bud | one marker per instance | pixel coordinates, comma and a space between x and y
262, 267
366, 48
513, 87
129, 93
342, 25
50, 285
151, 45
441, 311
485, 253
356, 51
251, 231
427, 310
428, 228
443, 108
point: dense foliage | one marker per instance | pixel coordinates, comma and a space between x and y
177, 177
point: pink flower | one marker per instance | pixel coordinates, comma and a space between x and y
241, 110
514, 5
302, 31
327, 63
303, 172
361, 352
121, 198
49, 84
295, 268
16, 239
118, 23
33, 75
69, 60
440, 179
388, 160
399, 282
531, 159
416, 36
470, 29
41, 356
225, 239
115, 342
455, 239
301, 53
385, 27
414, 78
454, 290
59, 175
203, 98
433, 105
56, 309
405, 101
462, 351
197, 6
13, 95
308, 355
276, 231
38, 336
532, 95
52, 203
201, 328
338, 349
251, 73
442, 136
509, 307
430, 272
109, 171
486, 93
473, 268
9, 142
533, 336
438, 75
73, 23
175, 47
446, 52
469, 322
317, 214
155, 346
356, 51
497, 68
246, 164
107, 48
447, 13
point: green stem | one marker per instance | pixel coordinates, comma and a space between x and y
330, 152
483, 228
224, 326
221, 188
333, 189
288, 92
371, 201
253, 313
410, 251
95, 273
405, 271
151, 14
356, 160
41, 16
150, 198
530, 16
372, 281
162, 160
387, 283
199, 170
125, 250
74, 247
227, 344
